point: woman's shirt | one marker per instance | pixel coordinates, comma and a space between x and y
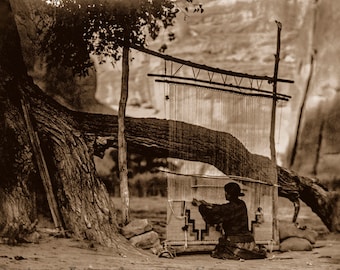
233, 216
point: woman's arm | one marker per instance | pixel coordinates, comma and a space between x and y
213, 213
196, 202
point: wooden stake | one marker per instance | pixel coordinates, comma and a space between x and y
122, 148
273, 117
272, 132
42, 167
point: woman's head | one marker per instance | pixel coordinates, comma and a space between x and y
232, 191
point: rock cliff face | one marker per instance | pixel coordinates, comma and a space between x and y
74, 92
318, 141
241, 36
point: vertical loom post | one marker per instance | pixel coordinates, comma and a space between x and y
122, 146
276, 70
272, 132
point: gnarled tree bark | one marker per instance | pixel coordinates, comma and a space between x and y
82, 199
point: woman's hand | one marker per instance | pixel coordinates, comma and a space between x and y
205, 203
196, 202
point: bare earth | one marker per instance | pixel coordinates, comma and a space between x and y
57, 253
62, 253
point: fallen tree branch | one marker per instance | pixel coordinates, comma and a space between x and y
150, 136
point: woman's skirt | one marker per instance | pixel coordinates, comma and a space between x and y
238, 247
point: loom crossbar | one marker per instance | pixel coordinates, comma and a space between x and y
208, 68
278, 95
222, 89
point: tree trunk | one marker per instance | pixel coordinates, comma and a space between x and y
17, 209
301, 112
86, 209
17, 204
324, 203
83, 201
312, 48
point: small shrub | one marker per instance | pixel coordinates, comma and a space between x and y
148, 184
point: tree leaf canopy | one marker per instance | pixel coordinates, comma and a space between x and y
76, 29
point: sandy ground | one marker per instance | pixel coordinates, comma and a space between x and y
70, 254
58, 253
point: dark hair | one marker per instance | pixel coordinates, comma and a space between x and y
233, 189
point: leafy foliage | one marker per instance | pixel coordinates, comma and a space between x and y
80, 28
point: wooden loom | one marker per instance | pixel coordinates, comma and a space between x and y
232, 102
187, 231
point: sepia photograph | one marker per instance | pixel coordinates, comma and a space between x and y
169, 134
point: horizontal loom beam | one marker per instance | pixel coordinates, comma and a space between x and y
204, 67
223, 89
278, 96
